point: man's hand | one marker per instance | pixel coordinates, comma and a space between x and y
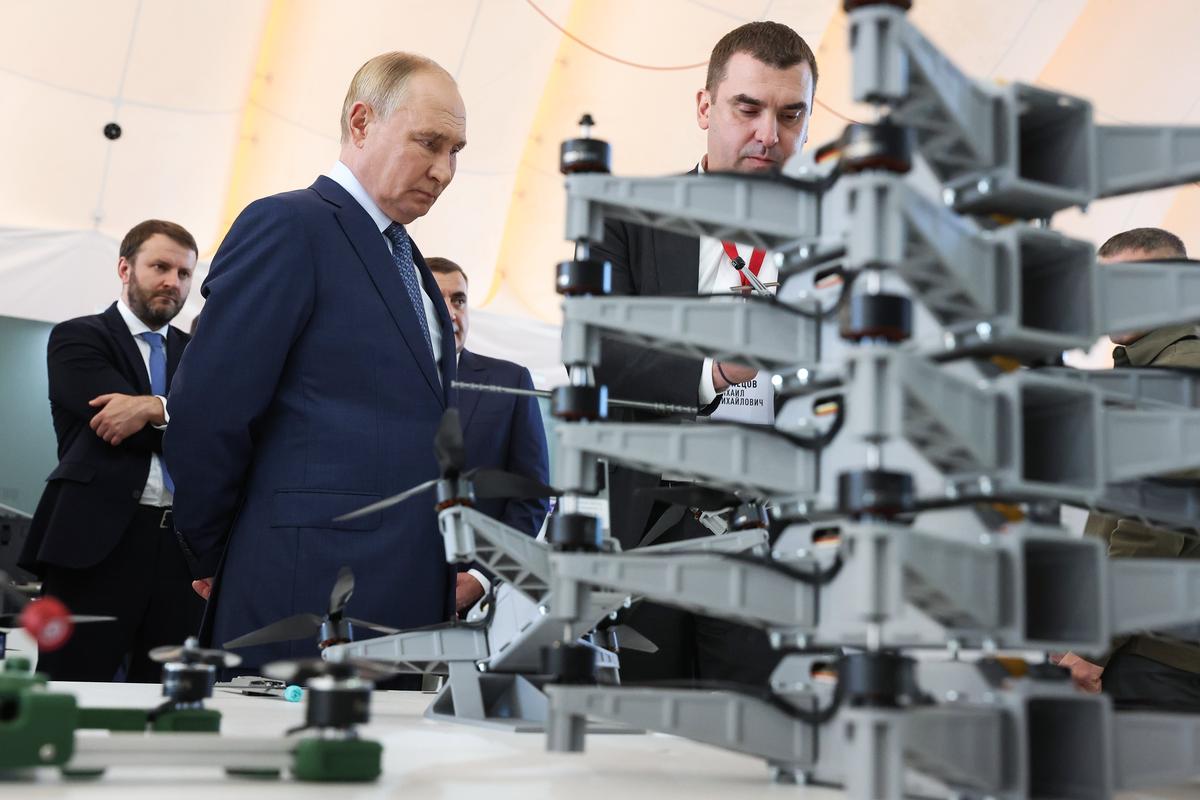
203, 587
122, 415
1084, 673
467, 592
737, 374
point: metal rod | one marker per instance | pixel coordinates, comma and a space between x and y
658, 408
757, 286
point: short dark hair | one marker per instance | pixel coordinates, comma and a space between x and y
445, 266
1145, 239
772, 43
139, 233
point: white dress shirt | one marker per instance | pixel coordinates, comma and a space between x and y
717, 276
155, 493
342, 175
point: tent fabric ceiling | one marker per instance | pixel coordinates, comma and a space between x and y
225, 101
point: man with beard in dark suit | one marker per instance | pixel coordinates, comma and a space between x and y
102, 538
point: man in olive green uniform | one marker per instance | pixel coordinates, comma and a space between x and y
1148, 670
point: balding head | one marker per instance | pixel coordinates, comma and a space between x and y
381, 84
403, 124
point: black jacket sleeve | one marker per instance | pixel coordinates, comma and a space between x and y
631, 371
80, 367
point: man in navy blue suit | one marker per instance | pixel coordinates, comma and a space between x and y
500, 431
318, 375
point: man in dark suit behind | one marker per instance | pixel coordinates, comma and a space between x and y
319, 372
755, 108
102, 538
501, 431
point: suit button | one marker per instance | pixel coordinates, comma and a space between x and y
137, 494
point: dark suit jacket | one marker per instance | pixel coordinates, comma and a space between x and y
504, 431
645, 261
308, 392
92, 494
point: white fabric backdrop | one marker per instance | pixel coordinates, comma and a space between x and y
225, 101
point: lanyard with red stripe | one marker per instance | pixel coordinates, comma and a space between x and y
756, 260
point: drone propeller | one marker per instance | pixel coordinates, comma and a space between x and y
304, 625
450, 452
700, 497
493, 483
362, 623
448, 446
48, 621
190, 652
343, 589
630, 639
388, 502
626, 636
298, 626
302, 670
8, 590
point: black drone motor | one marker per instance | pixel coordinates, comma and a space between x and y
189, 672
584, 154
338, 693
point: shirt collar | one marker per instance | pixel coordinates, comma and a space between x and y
342, 175
700, 167
135, 325
1142, 352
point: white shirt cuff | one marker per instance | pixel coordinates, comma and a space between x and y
483, 581
708, 392
166, 414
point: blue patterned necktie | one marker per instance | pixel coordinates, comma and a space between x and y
158, 384
402, 255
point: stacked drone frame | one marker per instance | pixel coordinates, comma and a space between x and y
922, 515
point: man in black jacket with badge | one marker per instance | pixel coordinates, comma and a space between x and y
755, 107
102, 538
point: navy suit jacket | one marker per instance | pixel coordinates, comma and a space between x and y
92, 494
309, 391
504, 431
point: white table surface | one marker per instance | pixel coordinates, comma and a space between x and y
432, 760
429, 760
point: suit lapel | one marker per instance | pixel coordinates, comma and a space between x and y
176, 341
134, 365
473, 372
368, 243
677, 259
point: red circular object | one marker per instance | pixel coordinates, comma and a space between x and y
48, 621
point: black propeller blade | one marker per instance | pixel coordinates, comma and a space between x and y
298, 626
627, 637
303, 669
700, 497
14, 620
450, 451
388, 502
448, 446
362, 623
343, 588
191, 653
498, 483
630, 639
302, 626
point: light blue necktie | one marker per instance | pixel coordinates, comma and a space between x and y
402, 255
158, 384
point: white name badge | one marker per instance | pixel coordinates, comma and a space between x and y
752, 402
